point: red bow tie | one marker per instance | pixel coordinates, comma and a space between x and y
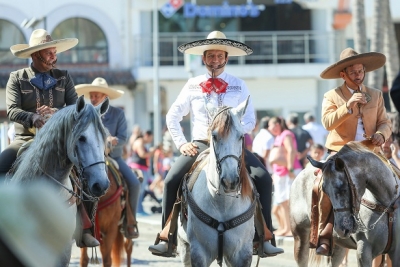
214, 84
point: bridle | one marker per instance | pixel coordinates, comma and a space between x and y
220, 160
355, 209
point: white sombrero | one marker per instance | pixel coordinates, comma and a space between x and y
216, 40
348, 57
98, 85
41, 39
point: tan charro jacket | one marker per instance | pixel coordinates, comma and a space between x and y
342, 125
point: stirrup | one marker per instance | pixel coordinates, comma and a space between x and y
170, 253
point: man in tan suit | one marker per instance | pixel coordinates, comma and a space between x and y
350, 112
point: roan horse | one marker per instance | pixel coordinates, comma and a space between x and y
74, 135
108, 223
221, 196
364, 193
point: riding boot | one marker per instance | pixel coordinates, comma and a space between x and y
83, 235
266, 247
325, 226
130, 226
166, 241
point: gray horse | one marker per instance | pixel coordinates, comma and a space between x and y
353, 174
223, 191
76, 136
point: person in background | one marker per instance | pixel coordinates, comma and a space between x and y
114, 120
316, 130
263, 142
283, 176
303, 138
317, 152
140, 159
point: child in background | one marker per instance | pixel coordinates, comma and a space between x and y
317, 153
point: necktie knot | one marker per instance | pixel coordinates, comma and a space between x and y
216, 85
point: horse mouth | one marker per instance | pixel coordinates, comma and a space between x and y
229, 187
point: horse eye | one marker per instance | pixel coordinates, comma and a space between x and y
82, 139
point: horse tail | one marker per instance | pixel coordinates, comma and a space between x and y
314, 259
117, 249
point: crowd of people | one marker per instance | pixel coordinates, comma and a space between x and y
298, 143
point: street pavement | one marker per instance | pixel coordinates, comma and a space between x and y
150, 225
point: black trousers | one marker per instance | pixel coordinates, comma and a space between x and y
182, 165
8, 156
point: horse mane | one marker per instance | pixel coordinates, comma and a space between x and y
222, 123
358, 147
51, 143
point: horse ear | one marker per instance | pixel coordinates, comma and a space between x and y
80, 105
241, 108
210, 108
339, 164
316, 164
103, 107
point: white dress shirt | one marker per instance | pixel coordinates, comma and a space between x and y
192, 99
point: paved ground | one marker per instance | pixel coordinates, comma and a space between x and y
150, 225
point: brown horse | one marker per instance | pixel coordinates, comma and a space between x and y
108, 223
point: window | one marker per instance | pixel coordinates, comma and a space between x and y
10, 35
92, 47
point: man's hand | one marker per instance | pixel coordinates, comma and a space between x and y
113, 140
189, 149
37, 121
355, 99
377, 139
45, 110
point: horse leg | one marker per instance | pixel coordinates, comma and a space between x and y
185, 251
128, 249
197, 253
301, 246
364, 253
108, 237
84, 257
338, 255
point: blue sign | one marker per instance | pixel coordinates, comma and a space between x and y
223, 11
168, 10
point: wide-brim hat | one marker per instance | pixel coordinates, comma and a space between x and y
216, 40
98, 85
41, 39
349, 57
35, 223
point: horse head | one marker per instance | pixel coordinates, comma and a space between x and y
86, 145
227, 145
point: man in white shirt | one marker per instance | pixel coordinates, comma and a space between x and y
219, 89
316, 130
263, 142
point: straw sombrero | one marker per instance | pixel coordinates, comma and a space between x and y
98, 85
348, 57
41, 39
216, 40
